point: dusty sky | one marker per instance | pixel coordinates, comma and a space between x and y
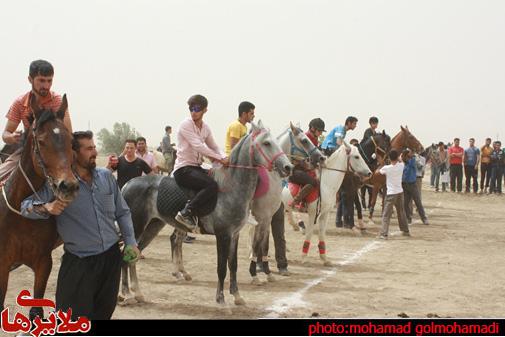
436, 66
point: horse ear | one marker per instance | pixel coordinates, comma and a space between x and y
63, 107
35, 108
260, 124
383, 132
254, 127
401, 127
294, 129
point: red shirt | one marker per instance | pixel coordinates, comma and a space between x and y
312, 138
20, 109
456, 160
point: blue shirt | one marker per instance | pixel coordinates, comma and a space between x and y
409, 171
330, 142
471, 155
86, 225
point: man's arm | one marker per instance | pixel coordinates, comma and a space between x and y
123, 214
37, 209
10, 135
146, 168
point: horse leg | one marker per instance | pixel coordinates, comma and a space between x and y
126, 297
363, 196
322, 239
223, 242
42, 269
255, 234
232, 265
291, 220
308, 234
375, 191
4, 280
135, 283
176, 241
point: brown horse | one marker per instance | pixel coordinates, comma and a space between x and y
403, 139
47, 156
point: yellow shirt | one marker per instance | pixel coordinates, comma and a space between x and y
235, 130
485, 154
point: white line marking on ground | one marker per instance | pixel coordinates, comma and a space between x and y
295, 300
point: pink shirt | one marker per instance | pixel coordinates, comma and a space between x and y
148, 157
194, 143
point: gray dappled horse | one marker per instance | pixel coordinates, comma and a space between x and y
237, 185
297, 146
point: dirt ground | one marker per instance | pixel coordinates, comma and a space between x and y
453, 267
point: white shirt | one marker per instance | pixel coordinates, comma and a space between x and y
393, 175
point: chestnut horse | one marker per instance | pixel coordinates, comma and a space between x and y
403, 140
46, 156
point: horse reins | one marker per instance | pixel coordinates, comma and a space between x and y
38, 156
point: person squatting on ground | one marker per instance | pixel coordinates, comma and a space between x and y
195, 140
456, 161
41, 79
394, 195
409, 187
471, 158
88, 280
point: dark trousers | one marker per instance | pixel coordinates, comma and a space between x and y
279, 239
347, 213
471, 174
485, 175
496, 179
89, 285
410, 192
456, 177
198, 180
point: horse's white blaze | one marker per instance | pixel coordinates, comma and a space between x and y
56, 131
295, 300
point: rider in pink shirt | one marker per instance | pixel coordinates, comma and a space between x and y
194, 141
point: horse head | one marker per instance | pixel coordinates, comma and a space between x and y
265, 152
50, 145
405, 139
356, 163
303, 145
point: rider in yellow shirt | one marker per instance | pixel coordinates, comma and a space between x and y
238, 129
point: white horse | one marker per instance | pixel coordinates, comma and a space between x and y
346, 158
267, 209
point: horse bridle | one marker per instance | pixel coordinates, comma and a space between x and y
305, 153
269, 161
40, 161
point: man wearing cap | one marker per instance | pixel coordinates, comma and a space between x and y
300, 172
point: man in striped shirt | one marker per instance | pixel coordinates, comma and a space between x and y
41, 78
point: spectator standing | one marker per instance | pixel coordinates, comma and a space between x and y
146, 155
394, 197
485, 165
167, 148
128, 166
471, 158
456, 169
497, 168
409, 187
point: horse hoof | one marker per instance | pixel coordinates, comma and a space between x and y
188, 277
239, 300
257, 282
128, 301
140, 298
327, 263
271, 278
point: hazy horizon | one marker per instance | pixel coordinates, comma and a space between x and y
436, 66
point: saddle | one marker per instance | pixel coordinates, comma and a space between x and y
172, 198
294, 188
